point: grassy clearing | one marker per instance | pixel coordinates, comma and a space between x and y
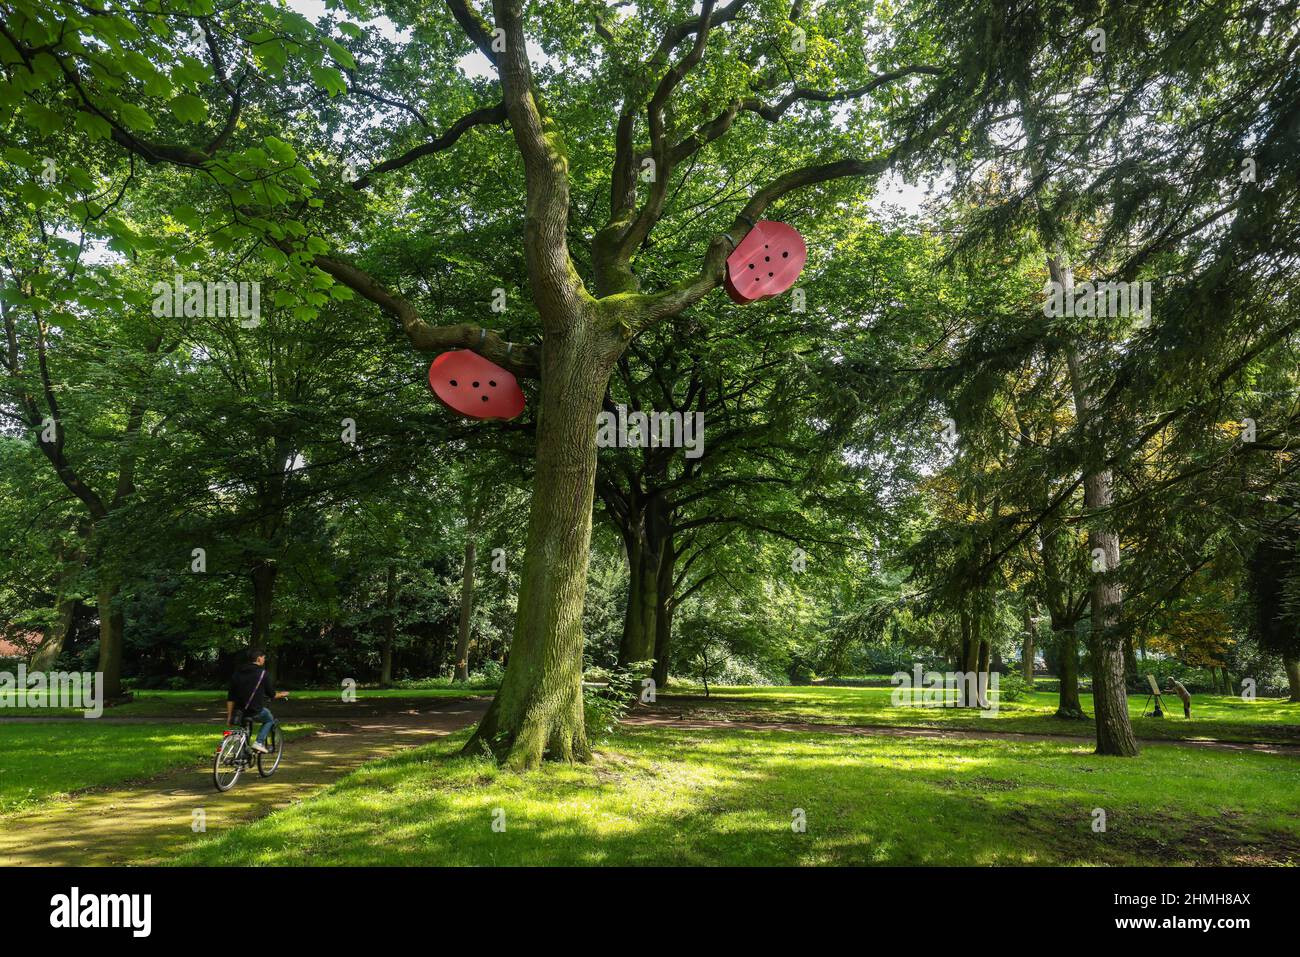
210, 702
670, 797
1213, 716
41, 763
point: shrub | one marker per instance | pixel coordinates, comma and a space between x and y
1011, 687
603, 708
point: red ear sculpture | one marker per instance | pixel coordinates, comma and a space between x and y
472, 386
766, 262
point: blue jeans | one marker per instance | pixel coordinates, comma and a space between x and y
267, 720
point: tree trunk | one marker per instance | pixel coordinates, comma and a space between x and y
65, 606
983, 674
1292, 663
466, 605
538, 710
646, 541
1027, 650
1109, 695
637, 643
110, 640
1067, 649
263, 575
390, 627
963, 655
664, 616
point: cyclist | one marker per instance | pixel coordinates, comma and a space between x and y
249, 687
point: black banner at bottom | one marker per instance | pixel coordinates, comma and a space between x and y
142, 906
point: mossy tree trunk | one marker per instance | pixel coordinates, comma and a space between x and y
537, 713
111, 628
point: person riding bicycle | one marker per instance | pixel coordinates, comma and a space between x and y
249, 687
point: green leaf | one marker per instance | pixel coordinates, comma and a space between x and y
18, 157
42, 118
274, 256
188, 108
272, 56
340, 54
135, 117
279, 149
96, 127
329, 79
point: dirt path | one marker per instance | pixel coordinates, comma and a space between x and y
895, 731
151, 822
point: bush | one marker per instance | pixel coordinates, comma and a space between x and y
603, 708
1011, 687
489, 674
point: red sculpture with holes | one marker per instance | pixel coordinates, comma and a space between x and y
766, 262
467, 383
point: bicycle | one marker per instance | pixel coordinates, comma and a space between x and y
236, 753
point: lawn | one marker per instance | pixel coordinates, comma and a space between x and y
1213, 716
728, 797
40, 763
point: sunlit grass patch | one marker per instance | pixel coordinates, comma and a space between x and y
40, 763
663, 796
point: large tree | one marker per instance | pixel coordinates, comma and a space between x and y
731, 94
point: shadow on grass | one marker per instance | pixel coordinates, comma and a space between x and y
668, 797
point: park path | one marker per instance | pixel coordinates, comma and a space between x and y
151, 822
643, 717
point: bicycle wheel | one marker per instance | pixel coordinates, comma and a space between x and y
267, 763
226, 769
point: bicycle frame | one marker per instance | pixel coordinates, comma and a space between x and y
246, 755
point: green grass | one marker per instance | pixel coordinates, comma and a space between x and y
46, 762
210, 702
1213, 717
672, 797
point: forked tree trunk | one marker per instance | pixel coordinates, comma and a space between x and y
110, 639
466, 605
1292, 663
538, 710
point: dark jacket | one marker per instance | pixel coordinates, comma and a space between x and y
245, 690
